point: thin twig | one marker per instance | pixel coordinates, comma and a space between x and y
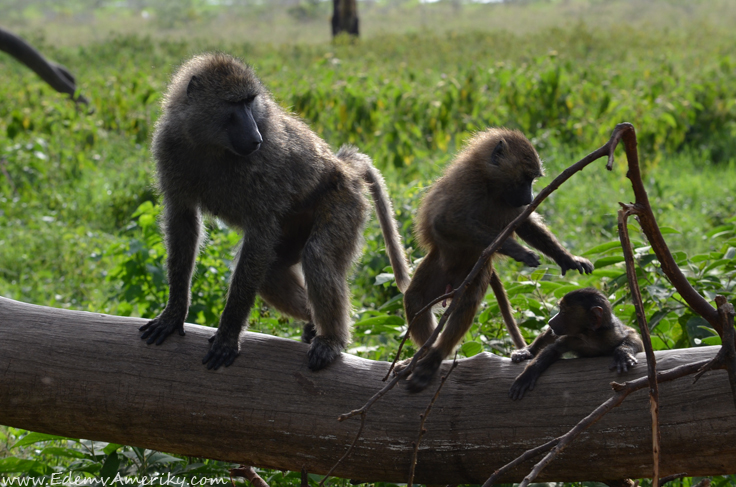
641, 318
249, 473
350, 448
555, 447
408, 329
424, 419
527, 455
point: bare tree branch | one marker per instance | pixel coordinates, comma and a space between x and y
56, 75
626, 132
641, 318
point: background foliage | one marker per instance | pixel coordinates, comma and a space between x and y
78, 212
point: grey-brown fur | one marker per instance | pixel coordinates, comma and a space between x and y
585, 326
486, 186
224, 147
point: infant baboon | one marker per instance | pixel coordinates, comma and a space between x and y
224, 147
487, 185
584, 325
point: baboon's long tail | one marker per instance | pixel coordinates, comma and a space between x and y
505, 306
384, 210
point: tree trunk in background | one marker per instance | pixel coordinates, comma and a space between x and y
345, 17
88, 375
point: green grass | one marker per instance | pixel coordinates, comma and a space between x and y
78, 212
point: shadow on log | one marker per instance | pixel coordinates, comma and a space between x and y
56, 75
88, 375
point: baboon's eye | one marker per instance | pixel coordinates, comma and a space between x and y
249, 100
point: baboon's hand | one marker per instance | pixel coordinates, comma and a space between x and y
222, 352
424, 371
531, 259
622, 361
160, 327
323, 351
521, 355
580, 264
525, 382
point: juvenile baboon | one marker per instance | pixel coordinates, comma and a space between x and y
487, 185
224, 147
584, 325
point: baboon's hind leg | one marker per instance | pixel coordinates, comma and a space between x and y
326, 260
284, 290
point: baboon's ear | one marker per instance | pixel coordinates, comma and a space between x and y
597, 317
498, 152
194, 85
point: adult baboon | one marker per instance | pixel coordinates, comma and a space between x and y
487, 185
586, 326
224, 147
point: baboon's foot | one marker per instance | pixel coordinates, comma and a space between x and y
222, 352
323, 351
161, 327
424, 371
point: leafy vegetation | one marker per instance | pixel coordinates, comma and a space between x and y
78, 212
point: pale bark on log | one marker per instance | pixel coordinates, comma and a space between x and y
89, 375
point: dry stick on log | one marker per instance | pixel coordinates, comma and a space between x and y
248, 473
648, 223
554, 447
56, 75
606, 150
424, 419
623, 234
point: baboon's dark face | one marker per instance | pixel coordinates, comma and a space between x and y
226, 102
516, 165
560, 323
580, 310
242, 129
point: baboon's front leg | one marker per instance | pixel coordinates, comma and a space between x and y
182, 239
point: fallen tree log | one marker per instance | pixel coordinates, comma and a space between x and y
88, 375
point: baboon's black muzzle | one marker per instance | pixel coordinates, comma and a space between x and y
243, 132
